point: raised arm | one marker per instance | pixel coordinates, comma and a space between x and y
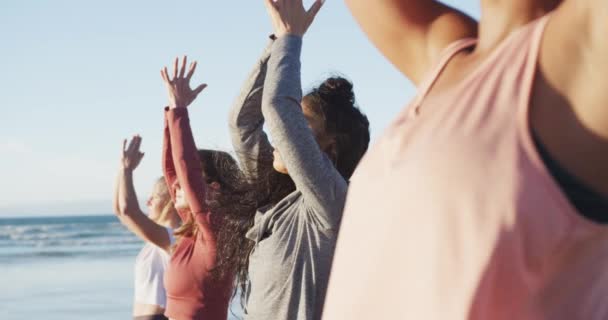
126, 203
321, 185
168, 165
411, 33
187, 165
246, 123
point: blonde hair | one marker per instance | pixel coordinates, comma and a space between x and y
169, 207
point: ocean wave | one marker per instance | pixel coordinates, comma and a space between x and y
75, 234
21, 230
64, 237
37, 243
25, 256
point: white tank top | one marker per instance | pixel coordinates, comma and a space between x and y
150, 266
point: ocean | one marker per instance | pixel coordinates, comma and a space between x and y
64, 268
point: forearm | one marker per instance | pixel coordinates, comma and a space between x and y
133, 218
188, 167
311, 170
246, 123
127, 198
411, 33
247, 105
167, 162
116, 201
281, 104
115, 206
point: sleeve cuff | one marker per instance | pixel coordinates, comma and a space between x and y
175, 113
268, 49
287, 44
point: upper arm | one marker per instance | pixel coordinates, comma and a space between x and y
249, 140
574, 60
569, 111
411, 33
188, 167
147, 230
130, 215
246, 123
598, 17
314, 174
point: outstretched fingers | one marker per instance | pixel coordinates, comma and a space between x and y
199, 89
191, 70
165, 74
137, 142
182, 70
314, 9
133, 145
175, 67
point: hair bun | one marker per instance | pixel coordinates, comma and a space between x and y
337, 91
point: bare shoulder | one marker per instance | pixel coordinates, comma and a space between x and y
574, 59
569, 103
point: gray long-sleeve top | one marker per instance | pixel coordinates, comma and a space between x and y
294, 240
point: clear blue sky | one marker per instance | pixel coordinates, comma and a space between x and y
79, 76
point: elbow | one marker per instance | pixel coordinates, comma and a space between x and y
127, 210
115, 207
122, 211
276, 106
269, 104
116, 210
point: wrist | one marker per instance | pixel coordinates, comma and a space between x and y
127, 170
289, 35
176, 103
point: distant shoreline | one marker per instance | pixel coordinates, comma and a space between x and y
55, 216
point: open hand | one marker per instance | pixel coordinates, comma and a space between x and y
290, 17
131, 156
178, 86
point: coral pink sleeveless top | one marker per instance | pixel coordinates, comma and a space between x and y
453, 215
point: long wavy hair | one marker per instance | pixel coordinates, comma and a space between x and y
220, 167
236, 206
233, 209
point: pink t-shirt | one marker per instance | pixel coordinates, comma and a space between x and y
453, 215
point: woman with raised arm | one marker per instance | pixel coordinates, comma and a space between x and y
490, 191
198, 280
318, 140
156, 229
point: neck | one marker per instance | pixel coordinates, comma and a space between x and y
500, 17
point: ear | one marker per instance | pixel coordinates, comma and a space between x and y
332, 151
215, 185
